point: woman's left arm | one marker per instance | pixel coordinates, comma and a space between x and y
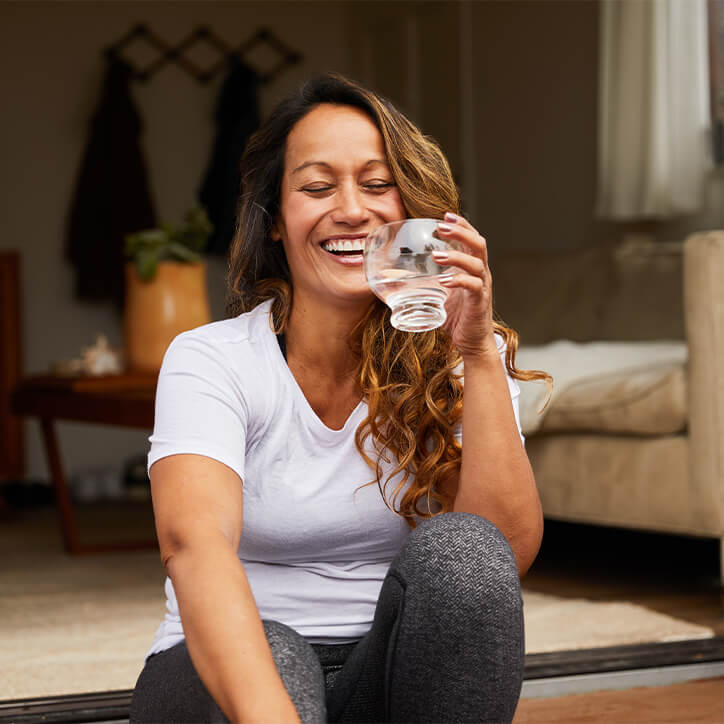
496, 480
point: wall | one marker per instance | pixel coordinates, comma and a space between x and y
535, 107
50, 74
408, 51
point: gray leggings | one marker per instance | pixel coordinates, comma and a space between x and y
446, 644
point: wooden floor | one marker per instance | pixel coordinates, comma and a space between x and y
688, 703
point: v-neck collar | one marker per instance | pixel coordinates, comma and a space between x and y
330, 433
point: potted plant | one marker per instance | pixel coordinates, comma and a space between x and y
166, 290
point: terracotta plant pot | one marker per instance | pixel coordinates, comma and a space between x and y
175, 300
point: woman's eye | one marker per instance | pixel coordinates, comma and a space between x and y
379, 185
316, 189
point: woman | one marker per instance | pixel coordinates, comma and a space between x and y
338, 599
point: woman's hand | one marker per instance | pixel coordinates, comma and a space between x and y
469, 305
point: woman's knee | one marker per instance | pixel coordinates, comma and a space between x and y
299, 670
460, 626
289, 648
460, 554
170, 690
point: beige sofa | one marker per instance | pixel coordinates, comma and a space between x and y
634, 435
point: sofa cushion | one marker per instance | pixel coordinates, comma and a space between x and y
636, 388
631, 290
646, 300
639, 402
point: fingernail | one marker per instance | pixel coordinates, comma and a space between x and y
444, 227
451, 217
440, 255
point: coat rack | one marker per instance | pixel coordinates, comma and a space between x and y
202, 34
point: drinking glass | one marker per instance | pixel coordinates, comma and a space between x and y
402, 272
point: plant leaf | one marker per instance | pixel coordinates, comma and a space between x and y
176, 250
183, 243
153, 237
147, 263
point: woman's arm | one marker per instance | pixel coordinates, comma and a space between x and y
198, 509
496, 480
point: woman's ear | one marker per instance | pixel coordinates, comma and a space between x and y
275, 233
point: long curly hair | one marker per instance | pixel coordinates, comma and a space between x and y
411, 382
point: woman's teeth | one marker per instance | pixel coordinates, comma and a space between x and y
340, 246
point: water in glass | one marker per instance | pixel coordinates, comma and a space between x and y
402, 272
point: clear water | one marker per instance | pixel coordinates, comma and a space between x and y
416, 300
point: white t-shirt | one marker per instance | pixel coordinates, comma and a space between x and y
316, 544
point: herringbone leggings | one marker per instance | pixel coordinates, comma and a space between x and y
446, 644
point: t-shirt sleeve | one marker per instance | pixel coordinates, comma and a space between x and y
200, 409
513, 388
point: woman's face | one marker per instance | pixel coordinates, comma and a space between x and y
336, 188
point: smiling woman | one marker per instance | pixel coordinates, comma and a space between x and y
340, 599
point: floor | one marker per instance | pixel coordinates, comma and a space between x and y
689, 703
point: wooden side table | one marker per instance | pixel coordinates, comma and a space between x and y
124, 400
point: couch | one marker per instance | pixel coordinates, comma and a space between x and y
633, 332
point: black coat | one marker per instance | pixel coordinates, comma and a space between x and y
112, 196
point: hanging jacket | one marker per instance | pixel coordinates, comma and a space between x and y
112, 196
237, 117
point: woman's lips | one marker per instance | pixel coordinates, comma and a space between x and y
354, 258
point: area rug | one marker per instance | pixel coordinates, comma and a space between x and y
564, 624
77, 625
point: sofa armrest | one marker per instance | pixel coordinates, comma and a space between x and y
704, 320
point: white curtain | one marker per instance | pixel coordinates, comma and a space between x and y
654, 108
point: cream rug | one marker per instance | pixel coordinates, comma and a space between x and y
77, 625
562, 624
83, 624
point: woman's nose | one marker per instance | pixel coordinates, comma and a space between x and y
351, 208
